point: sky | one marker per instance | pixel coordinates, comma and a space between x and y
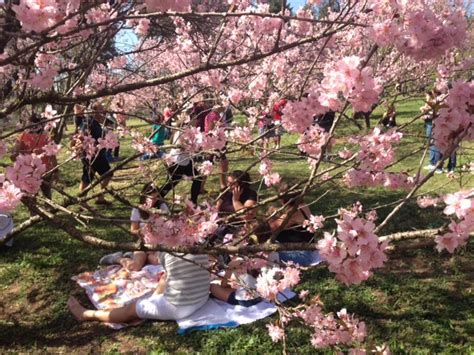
296, 4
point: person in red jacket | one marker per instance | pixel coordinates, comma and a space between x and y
277, 114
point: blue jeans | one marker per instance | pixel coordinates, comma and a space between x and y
435, 154
109, 155
301, 257
148, 156
452, 162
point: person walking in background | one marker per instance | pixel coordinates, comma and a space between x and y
180, 164
389, 117
277, 115
430, 109
97, 163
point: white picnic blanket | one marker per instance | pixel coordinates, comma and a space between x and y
218, 314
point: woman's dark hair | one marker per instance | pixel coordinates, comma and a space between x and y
242, 178
35, 122
263, 232
287, 196
148, 189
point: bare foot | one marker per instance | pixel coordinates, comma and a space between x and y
76, 309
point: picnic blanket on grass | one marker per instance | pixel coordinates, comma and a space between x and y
113, 287
219, 314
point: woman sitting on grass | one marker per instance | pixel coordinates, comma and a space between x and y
134, 261
181, 291
293, 230
241, 293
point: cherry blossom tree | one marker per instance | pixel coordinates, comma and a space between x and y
54, 54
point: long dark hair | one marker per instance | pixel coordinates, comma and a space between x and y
148, 189
37, 126
287, 197
242, 178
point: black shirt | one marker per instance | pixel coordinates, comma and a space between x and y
325, 121
227, 206
94, 129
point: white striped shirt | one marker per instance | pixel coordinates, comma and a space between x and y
186, 282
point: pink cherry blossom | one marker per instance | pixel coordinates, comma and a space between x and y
143, 27
459, 203
110, 141
36, 15
272, 281
426, 201
10, 197
241, 135
272, 179
205, 168
51, 149
303, 294
275, 332
314, 223
329, 330
26, 173
355, 251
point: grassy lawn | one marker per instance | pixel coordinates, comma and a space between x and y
421, 302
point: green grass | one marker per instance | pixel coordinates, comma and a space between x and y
421, 302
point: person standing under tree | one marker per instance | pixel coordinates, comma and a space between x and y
93, 127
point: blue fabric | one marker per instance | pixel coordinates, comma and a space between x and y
301, 257
232, 324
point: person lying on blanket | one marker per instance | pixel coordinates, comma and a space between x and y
182, 291
242, 290
134, 261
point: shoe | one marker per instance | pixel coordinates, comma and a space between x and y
450, 174
111, 259
429, 167
439, 171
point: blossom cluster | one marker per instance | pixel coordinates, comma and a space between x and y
26, 173
355, 251
269, 177
345, 77
241, 135
460, 204
194, 141
457, 117
375, 154
393, 181
417, 29
330, 330
314, 223
188, 228
273, 280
